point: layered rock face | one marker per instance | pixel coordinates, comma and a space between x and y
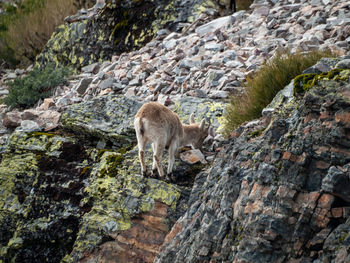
279, 191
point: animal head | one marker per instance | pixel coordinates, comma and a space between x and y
201, 133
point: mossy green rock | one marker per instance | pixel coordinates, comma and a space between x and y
59, 199
120, 26
107, 118
40, 184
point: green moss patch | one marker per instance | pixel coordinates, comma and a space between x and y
305, 82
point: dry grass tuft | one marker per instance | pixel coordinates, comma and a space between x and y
260, 89
28, 34
243, 4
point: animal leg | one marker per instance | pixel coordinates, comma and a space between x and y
172, 151
157, 158
141, 145
154, 165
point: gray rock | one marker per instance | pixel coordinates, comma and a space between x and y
342, 44
106, 117
337, 183
218, 94
83, 85
92, 68
107, 83
214, 46
282, 97
11, 76
170, 44
262, 10
4, 92
215, 75
194, 51
201, 107
135, 82
99, 76
200, 93
320, 67
186, 63
233, 64
229, 55
343, 64
63, 102
316, 2
163, 32
12, 119
28, 126
193, 156
222, 22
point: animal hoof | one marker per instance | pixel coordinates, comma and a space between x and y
144, 174
169, 178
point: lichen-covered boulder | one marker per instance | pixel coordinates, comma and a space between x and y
210, 110
106, 118
62, 201
41, 183
118, 27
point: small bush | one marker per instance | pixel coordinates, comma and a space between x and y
260, 89
38, 84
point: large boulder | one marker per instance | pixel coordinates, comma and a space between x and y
108, 118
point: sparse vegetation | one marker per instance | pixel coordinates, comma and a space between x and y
243, 4
25, 30
261, 88
39, 84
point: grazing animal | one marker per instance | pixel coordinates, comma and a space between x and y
162, 127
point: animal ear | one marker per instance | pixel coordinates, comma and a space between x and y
202, 125
192, 118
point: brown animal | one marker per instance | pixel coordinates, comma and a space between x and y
162, 127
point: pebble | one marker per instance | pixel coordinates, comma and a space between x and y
28, 126
193, 156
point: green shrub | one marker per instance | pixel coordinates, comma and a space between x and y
261, 88
38, 84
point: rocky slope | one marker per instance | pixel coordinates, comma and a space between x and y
114, 27
277, 191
